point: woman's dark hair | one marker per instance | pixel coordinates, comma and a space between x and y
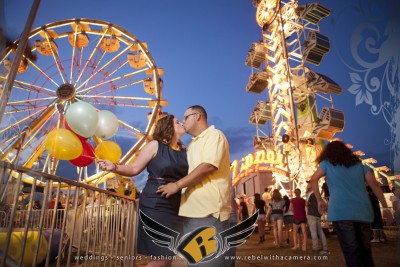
287, 202
164, 130
337, 153
257, 196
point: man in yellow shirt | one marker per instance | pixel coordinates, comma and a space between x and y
206, 190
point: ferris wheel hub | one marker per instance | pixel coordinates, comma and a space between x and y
66, 91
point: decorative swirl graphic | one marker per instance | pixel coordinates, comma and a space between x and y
376, 82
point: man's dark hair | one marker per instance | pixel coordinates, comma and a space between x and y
199, 109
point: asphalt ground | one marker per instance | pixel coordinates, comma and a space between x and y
253, 253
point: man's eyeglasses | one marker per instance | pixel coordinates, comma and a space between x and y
187, 116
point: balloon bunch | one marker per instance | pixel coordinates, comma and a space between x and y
82, 122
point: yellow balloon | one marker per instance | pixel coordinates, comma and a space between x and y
15, 246
108, 150
63, 144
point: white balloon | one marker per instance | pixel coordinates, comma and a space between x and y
82, 118
108, 125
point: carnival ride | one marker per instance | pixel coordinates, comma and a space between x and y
78, 60
289, 132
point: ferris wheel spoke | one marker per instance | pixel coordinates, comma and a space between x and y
30, 87
123, 77
73, 53
31, 102
21, 122
28, 109
56, 59
105, 65
38, 115
42, 72
118, 68
113, 89
90, 58
129, 127
38, 129
120, 101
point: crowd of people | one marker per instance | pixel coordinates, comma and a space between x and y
357, 208
284, 214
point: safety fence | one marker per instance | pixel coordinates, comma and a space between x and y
61, 222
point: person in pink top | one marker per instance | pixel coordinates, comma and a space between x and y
298, 205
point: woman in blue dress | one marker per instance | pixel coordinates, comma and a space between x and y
166, 162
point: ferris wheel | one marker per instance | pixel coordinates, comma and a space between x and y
78, 60
287, 120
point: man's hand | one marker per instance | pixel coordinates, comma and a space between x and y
168, 190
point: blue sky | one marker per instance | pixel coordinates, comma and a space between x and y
202, 46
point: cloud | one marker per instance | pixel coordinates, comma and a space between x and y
240, 141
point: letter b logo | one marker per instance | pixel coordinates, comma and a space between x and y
199, 244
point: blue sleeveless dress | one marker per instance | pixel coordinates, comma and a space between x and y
170, 164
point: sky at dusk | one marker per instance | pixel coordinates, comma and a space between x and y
202, 46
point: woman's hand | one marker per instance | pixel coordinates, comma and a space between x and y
168, 190
322, 207
106, 165
387, 216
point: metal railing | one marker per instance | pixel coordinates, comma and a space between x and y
73, 223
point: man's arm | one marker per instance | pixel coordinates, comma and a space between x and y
195, 176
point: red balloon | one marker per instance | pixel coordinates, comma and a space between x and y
69, 128
86, 158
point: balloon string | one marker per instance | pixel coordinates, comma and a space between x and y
95, 157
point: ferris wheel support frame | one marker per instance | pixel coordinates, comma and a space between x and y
18, 57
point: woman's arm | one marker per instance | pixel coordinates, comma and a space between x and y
394, 205
144, 157
314, 185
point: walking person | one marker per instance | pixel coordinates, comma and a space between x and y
205, 201
244, 211
395, 200
377, 224
166, 162
287, 218
350, 209
275, 212
266, 196
314, 222
298, 205
260, 207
